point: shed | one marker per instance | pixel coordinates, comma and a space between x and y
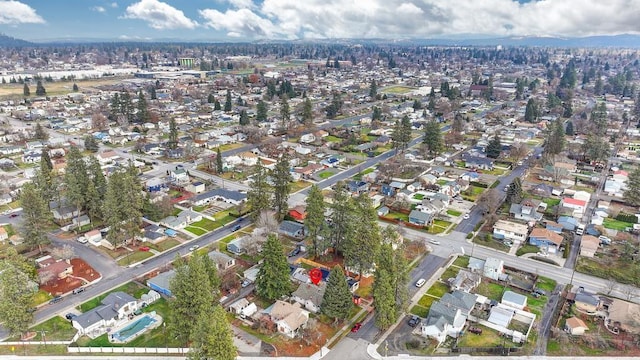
514, 300
160, 282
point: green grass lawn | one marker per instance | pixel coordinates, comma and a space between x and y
438, 289
490, 290
41, 297
488, 338
616, 224
551, 202
200, 208
527, 249
195, 230
55, 329
441, 223
454, 212
332, 138
325, 174
206, 224
451, 272
421, 311
130, 288
418, 196
165, 245
396, 89
441, 182
546, 284
426, 301
461, 261
134, 257
435, 230
399, 216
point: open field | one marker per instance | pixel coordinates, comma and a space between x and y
55, 88
396, 89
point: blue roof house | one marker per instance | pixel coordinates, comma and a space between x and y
420, 218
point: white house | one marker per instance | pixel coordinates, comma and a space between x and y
577, 205
510, 230
448, 315
289, 318
514, 300
114, 308
493, 268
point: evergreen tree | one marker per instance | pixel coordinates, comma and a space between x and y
315, 222
192, 298
307, 112
282, 179
433, 138
35, 212
384, 300
219, 166
244, 117
173, 134
142, 107
44, 181
40, 90
531, 112
97, 177
396, 135
112, 209
376, 114
405, 125
341, 219
261, 111
259, 196
373, 89
26, 91
555, 140
360, 252
514, 192
75, 87
285, 113
76, 179
337, 300
212, 337
273, 281
569, 130
152, 93
494, 148
632, 193
395, 263
227, 102
16, 293
211, 99
91, 144
216, 105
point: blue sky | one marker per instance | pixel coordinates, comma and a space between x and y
237, 20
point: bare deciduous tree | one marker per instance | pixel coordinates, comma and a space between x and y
518, 151
610, 286
629, 291
66, 252
45, 277
99, 121
267, 219
489, 200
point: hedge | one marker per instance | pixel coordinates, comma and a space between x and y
478, 184
630, 218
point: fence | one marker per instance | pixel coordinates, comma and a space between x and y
126, 350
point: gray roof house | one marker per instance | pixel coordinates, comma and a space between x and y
222, 261
420, 218
228, 196
115, 306
292, 229
448, 315
514, 300
310, 296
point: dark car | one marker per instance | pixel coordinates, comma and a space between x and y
78, 290
14, 215
475, 330
236, 228
356, 327
70, 316
55, 299
540, 292
414, 321
294, 252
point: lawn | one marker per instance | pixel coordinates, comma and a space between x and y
41, 297
491, 290
55, 329
399, 216
435, 230
527, 249
441, 182
494, 244
461, 261
441, 223
418, 196
299, 185
551, 202
616, 224
199, 208
195, 230
546, 284
488, 338
206, 224
396, 89
451, 272
165, 245
325, 174
420, 311
438, 289
454, 212
426, 301
332, 138
134, 257
130, 288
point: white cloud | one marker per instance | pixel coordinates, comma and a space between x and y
159, 15
423, 18
99, 9
15, 12
114, 4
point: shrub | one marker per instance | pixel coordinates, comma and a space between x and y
469, 235
478, 184
630, 218
495, 184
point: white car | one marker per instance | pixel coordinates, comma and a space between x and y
420, 282
194, 248
434, 242
82, 240
466, 216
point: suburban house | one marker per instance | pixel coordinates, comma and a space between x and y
624, 315
589, 246
465, 281
289, 318
223, 261
59, 269
476, 162
527, 210
568, 222
298, 213
181, 221
310, 296
114, 307
420, 218
292, 229
510, 230
243, 308
514, 300
229, 196
578, 206
545, 239
586, 302
160, 282
575, 326
448, 315
195, 187
179, 175
493, 268
357, 187
64, 214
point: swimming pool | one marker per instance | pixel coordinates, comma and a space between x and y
134, 329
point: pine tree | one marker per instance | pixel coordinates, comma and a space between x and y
341, 219
76, 179
75, 87
152, 93
219, 166
384, 300
632, 193
211, 99
40, 90
285, 112
244, 118
25, 90
216, 105
314, 221
261, 111
405, 125
173, 134
531, 112
307, 112
494, 147
569, 130
396, 135
433, 138
228, 105
514, 192
259, 196
35, 212
273, 281
360, 252
337, 300
212, 337
143, 110
16, 293
373, 89
282, 179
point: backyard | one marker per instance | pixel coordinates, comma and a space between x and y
130, 288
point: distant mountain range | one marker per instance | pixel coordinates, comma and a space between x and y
622, 41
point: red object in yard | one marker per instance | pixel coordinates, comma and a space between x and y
357, 299
144, 248
315, 275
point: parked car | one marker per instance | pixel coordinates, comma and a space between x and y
82, 240
540, 291
55, 299
420, 282
70, 316
144, 248
466, 216
78, 290
604, 240
475, 330
414, 321
294, 252
245, 283
434, 242
236, 228
194, 248
14, 215
356, 327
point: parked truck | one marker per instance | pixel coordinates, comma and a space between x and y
580, 229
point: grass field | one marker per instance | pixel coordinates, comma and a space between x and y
616, 224
546, 284
55, 88
491, 290
195, 230
454, 212
134, 257
426, 301
206, 224
421, 311
438, 289
396, 89
461, 261
165, 245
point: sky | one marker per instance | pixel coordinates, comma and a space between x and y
246, 20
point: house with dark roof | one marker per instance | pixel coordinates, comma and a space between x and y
292, 229
114, 307
476, 162
310, 296
160, 282
420, 218
229, 196
546, 239
448, 315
